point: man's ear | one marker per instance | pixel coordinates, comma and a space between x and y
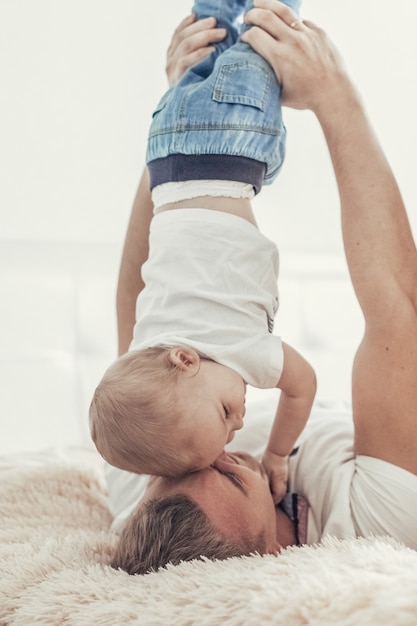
186, 359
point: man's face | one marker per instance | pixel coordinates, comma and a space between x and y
233, 492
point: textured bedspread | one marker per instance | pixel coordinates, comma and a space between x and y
55, 546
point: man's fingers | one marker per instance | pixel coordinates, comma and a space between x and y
280, 11
185, 62
192, 36
201, 39
278, 20
190, 28
182, 26
283, 11
312, 26
189, 19
260, 41
192, 41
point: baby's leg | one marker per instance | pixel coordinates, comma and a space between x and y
227, 106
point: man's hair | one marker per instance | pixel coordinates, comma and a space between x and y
131, 409
175, 529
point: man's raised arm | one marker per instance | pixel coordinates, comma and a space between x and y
191, 42
379, 246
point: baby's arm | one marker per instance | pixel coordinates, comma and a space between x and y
298, 388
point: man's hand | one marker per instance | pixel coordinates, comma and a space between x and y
191, 43
305, 61
277, 469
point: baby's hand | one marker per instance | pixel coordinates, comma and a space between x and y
277, 469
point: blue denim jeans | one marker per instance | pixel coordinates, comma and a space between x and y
223, 119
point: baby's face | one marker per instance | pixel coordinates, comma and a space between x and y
212, 406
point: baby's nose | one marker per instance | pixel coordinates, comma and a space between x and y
241, 413
238, 421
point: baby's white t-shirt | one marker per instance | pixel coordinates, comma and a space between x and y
211, 284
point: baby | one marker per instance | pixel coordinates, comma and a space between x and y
205, 317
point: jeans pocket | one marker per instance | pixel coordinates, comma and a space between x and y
242, 83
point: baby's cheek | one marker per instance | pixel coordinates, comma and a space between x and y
231, 436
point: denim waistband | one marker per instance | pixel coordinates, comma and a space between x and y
181, 167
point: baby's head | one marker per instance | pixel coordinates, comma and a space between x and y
166, 411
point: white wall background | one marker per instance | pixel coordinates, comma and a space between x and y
78, 82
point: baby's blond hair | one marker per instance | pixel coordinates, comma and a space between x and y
133, 414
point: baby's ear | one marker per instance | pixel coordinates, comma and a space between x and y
185, 358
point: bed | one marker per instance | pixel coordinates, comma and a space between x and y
56, 546
55, 539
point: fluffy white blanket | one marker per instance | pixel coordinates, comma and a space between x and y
56, 544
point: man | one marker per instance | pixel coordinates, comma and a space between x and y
358, 480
